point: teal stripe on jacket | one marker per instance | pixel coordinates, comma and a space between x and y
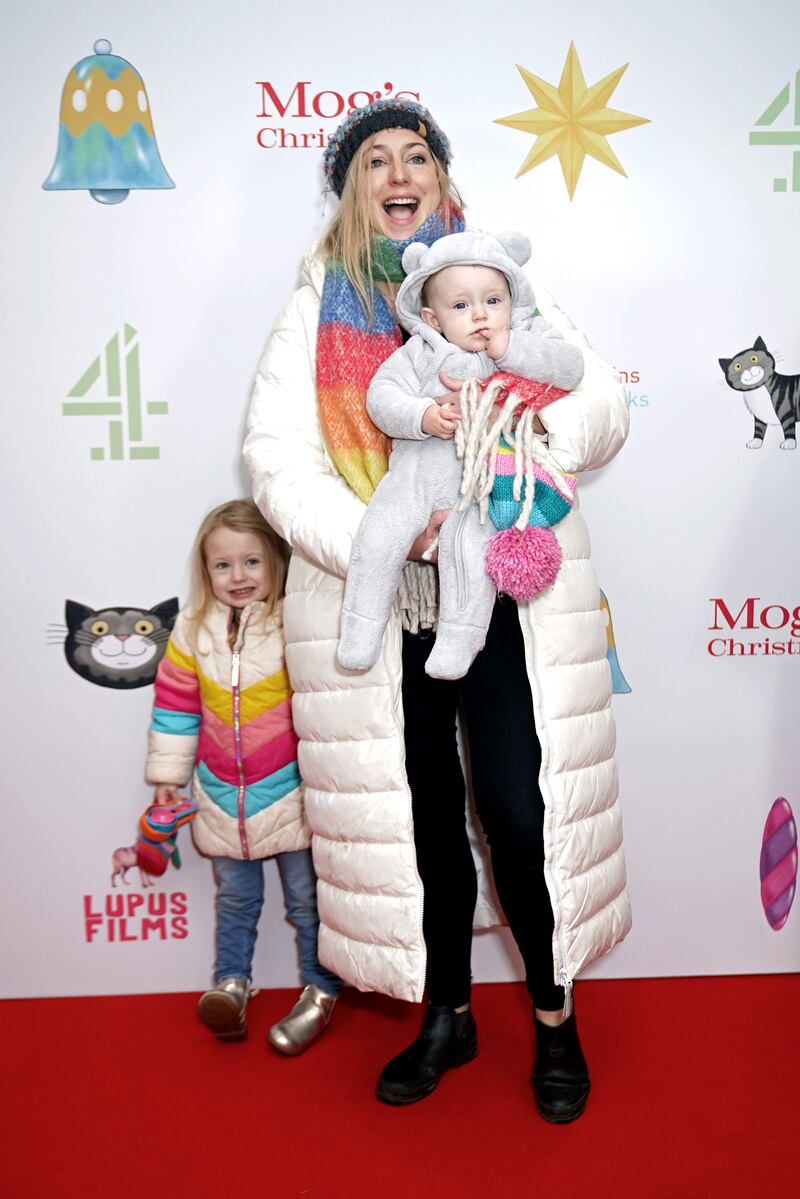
258, 795
182, 723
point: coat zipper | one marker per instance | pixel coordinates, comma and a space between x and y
458, 554
237, 741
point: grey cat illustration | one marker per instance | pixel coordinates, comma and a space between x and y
754, 368
117, 647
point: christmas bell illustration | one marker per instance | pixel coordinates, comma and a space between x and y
106, 142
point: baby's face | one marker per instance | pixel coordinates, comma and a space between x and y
466, 304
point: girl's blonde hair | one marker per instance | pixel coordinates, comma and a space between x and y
243, 517
348, 238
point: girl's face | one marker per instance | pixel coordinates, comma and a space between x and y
403, 182
237, 566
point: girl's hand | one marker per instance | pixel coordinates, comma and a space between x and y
440, 420
166, 793
497, 343
427, 538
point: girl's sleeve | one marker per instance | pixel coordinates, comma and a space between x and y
544, 354
175, 722
394, 402
294, 484
589, 426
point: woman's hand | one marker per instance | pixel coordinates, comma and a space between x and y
426, 539
453, 394
166, 793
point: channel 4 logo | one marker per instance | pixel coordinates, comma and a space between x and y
782, 104
113, 387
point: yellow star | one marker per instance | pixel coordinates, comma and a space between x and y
571, 120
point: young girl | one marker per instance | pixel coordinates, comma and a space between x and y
223, 713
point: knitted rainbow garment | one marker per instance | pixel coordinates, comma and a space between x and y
550, 503
351, 347
511, 475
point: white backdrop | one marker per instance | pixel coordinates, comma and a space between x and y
687, 260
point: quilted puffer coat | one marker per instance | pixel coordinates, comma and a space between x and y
351, 752
222, 716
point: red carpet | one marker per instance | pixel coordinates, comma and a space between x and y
695, 1094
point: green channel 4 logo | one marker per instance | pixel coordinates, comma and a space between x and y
782, 137
115, 374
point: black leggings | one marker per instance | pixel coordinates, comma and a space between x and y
505, 757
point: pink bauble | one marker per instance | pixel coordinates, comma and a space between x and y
521, 563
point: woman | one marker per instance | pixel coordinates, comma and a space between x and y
385, 794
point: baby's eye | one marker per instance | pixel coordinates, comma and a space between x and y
220, 566
493, 300
100, 628
252, 562
460, 305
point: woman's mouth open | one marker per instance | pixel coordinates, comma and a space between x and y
401, 209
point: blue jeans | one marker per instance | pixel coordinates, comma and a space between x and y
239, 900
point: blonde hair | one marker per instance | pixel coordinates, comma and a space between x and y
243, 517
348, 238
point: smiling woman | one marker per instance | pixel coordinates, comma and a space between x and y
384, 788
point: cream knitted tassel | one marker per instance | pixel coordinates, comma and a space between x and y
418, 596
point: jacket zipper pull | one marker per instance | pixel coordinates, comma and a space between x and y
235, 669
567, 984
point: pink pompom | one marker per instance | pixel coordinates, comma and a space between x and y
521, 563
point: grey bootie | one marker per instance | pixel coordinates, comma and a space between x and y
360, 640
455, 649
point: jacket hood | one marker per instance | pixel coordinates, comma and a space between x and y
506, 252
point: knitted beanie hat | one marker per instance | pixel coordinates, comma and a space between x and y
381, 114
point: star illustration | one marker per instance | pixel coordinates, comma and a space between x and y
572, 120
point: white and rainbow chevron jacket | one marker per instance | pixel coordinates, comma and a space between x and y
223, 715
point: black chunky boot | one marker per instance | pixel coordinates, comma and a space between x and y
560, 1078
448, 1038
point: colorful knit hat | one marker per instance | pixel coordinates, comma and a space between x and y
381, 114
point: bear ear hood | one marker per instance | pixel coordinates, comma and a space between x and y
506, 252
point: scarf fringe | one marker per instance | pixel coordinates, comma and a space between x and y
478, 440
418, 596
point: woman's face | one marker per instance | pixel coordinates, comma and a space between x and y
403, 182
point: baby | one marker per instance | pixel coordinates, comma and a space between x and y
470, 310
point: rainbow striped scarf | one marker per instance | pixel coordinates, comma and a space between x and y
351, 347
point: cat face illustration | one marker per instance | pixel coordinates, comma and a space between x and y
117, 647
751, 368
777, 404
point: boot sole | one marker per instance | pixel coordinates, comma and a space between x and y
221, 1016
398, 1100
563, 1115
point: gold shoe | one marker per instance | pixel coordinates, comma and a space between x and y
307, 1019
222, 1009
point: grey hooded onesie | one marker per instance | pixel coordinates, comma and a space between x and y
424, 471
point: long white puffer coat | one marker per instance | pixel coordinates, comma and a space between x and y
351, 754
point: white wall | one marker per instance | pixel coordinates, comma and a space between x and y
685, 261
